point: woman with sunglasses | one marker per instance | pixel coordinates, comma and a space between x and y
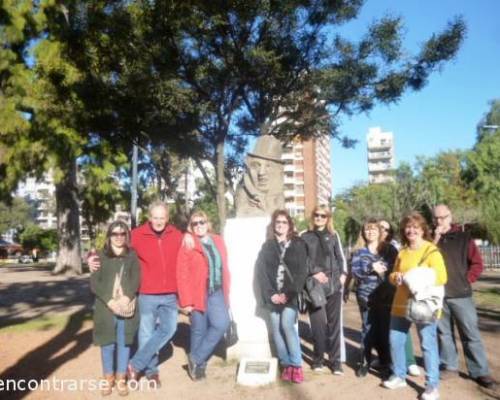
203, 290
329, 268
113, 333
280, 277
371, 264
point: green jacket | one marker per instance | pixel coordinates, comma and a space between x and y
101, 284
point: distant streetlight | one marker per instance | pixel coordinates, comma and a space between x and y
491, 126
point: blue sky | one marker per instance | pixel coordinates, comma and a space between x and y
444, 114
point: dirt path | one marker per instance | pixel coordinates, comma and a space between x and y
66, 357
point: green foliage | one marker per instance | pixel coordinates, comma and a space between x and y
35, 237
432, 181
16, 215
483, 170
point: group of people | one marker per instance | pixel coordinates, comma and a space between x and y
389, 282
284, 266
159, 270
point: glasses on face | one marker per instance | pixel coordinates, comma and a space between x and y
319, 215
281, 222
118, 234
196, 223
441, 217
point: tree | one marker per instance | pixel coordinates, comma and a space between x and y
269, 68
483, 170
42, 239
441, 180
16, 215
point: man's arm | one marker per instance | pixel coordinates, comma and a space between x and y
475, 262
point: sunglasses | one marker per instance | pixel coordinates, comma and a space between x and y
118, 234
318, 215
196, 223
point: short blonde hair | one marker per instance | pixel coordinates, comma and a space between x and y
329, 222
199, 214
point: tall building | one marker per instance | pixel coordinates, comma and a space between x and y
307, 175
380, 155
41, 193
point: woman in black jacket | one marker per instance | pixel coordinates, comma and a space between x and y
281, 272
328, 269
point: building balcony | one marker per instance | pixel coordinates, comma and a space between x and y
379, 145
379, 167
379, 155
287, 156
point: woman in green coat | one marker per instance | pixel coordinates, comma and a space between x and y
114, 333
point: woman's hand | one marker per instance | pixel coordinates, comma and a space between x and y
342, 279
188, 241
276, 298
379, 267
113, 306
186, 310
279, 298
398, 278
320, 277
123, 301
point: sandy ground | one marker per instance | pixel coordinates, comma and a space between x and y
66, 357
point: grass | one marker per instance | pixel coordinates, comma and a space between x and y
45, 322
488, 298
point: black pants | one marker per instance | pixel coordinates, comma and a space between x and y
375, 321
325, 326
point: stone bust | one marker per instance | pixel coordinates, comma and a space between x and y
261, 190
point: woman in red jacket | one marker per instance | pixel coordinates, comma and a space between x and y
203, 290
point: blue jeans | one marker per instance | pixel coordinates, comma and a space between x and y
157, 326
122, 351
462, 312
208, 328
429, 343
286, 337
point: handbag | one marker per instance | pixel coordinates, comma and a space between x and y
231, 335
124, 311
315, 292
425, 310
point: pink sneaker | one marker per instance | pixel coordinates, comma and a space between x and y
287, 374
298, 375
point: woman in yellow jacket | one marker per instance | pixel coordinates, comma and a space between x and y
418, 251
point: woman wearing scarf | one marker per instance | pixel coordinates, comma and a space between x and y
203, 290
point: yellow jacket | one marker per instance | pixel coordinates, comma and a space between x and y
408, 259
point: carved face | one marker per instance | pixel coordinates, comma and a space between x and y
259, 173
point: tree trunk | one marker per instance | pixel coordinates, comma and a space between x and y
221, 183
68, 224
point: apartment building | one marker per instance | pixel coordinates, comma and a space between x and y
307, 175
380, 155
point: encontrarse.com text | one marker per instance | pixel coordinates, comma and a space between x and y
70, 385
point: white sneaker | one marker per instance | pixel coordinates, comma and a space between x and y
394, 382
414, 370
430, 394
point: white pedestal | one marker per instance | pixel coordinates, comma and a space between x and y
244, 238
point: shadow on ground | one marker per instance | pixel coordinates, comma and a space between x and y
44, 356
27, 300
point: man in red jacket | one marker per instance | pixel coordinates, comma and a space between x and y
156, 243
463, 265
